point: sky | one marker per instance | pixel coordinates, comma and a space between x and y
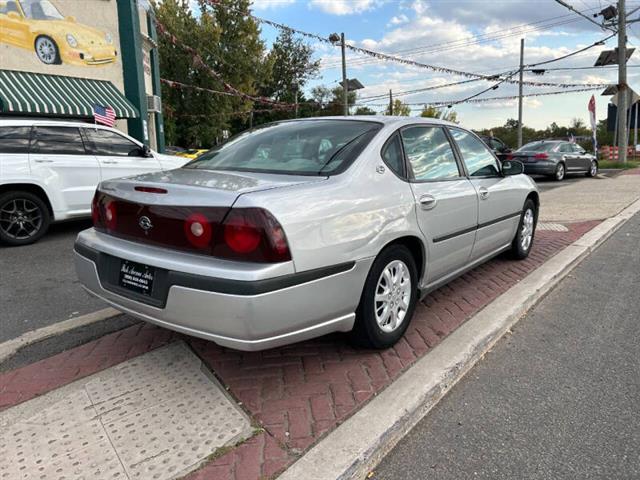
480, 36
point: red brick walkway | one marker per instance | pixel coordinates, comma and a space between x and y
300, 392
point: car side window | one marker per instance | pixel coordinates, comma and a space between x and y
108, 143
392, 155
577, 148
429, 153
565, 148
14, 139
495, 144
477, 157
58, 141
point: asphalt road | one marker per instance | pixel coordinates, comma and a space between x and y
557, 399
38, 285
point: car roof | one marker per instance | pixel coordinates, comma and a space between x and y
385, 119
22, 122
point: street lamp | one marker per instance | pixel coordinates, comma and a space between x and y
335, 38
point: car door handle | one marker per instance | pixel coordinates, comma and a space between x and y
428, 202
109, 162
42, 160
484, 193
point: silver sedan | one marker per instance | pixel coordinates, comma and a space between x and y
301, 228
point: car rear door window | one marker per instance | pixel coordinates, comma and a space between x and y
478, 159
14, 139
429, 153
565, 148
108, 143
392, 155
58, 141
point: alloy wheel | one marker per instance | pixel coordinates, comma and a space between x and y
594, 169
46, 50
20, 219
392, 296
526, 232
560, 172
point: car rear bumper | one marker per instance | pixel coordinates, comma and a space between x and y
540, 168
240, 314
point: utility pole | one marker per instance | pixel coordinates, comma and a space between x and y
390, 102
520, 93
622, 83
345, 84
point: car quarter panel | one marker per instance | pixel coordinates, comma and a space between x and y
348, 217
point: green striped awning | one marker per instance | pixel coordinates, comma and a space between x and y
60, 96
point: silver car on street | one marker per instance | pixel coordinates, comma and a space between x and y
300, 228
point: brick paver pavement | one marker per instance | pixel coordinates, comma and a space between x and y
300, 392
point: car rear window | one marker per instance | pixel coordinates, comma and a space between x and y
14, 139
312, 147
538, 147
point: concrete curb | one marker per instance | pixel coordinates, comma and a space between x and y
11, 347
356, 446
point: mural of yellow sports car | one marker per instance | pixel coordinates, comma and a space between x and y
39, 25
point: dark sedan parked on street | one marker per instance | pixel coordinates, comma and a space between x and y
555, 158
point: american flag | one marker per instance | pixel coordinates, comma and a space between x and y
104, 115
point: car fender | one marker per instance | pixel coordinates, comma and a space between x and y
54, 200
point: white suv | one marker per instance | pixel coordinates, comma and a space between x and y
49, 171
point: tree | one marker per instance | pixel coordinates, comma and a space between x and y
399, 109
365, 111
290, 65
328, 101
429, 111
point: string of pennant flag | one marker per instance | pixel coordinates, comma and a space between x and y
408, 62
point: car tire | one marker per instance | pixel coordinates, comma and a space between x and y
593, 169
523, 240
560, 172
31, 210
47, 50
374, 329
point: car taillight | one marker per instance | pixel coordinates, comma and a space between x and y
510, 157
198, 230
244, 234
110, 215
252, 234
541, 156
96, 216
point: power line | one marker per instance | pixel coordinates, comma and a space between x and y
566, 5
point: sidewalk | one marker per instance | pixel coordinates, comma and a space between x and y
295, 395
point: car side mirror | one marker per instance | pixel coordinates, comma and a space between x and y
14, 16
146, 151
71, 19
512, 167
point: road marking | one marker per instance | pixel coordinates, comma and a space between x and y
11, 347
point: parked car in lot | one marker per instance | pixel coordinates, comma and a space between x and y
301, 228
555, 158
499, 148
49, 171
191, 153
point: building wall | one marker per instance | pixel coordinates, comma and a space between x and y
125, 60
88, 20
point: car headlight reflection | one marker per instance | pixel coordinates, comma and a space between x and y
71, 40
